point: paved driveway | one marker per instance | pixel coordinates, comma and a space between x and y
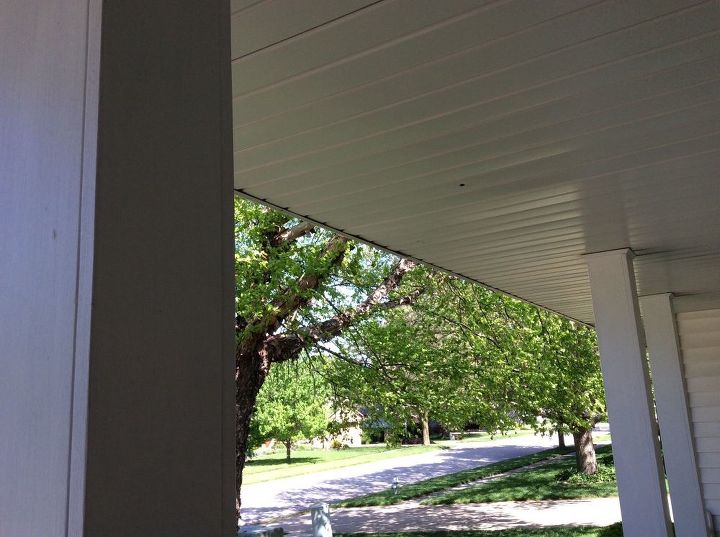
266, 501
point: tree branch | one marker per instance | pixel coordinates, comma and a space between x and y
298, 298
402, 301
469, 330
333, 326
339, 355
282, 347
257, 334
287, 235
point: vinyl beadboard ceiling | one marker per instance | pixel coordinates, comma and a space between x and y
499, 140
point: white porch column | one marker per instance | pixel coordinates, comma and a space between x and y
116, 288
641, 483
673, 415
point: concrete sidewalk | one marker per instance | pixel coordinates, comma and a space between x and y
411, 516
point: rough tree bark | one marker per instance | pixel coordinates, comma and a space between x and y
425, 420
259, 345
585, 451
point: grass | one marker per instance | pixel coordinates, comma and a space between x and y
436, 484
583, 531
481, 436
548, 482
306, 461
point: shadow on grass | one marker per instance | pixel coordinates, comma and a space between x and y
278, 462
540, 483
612, 531
436, 484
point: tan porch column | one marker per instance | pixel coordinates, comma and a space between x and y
116, 287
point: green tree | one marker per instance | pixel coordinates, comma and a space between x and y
291, 405
406, 367
298, 285
532, 362
464, 353
570, 396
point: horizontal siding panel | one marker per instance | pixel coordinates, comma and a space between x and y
708, 444
710, 476
708, 460
714, 507
701, 355
702, 339
704, 399
702, 369
687, 317
706, 324
706, 429
704, 384
705, 414
711, 491
701, 350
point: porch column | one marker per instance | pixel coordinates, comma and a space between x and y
673, 415
116, 287
640, 476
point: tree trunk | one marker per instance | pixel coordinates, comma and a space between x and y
288, 445
425, 420
249, 377
585, 452
561, 439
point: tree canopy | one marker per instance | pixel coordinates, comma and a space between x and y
462, 353
537, 362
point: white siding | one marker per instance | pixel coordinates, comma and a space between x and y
700, 340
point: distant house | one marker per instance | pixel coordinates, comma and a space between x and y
345, 430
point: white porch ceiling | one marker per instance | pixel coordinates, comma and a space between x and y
499, 140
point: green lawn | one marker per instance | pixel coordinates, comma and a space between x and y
611, 531
435, 484
481, 436
306, 461
537, 484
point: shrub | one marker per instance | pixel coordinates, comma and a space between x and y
604, 474
338, 444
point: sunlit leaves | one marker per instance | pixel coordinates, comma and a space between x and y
466, 354
291, 406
